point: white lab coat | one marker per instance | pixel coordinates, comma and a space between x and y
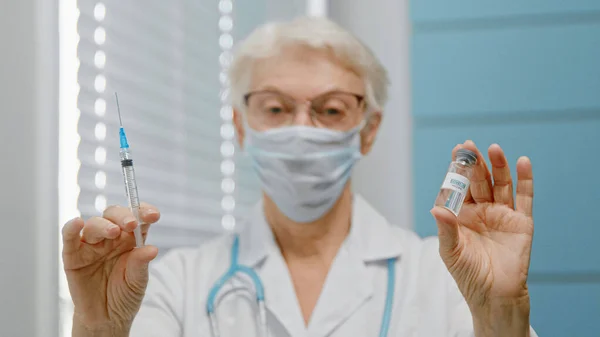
427, 302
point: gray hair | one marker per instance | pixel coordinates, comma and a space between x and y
318, 33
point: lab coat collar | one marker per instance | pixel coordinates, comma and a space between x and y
371, 237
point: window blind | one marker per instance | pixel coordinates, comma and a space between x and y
167, 60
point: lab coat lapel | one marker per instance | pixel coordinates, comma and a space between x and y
349, 284
347, 287
259, 251
280, 296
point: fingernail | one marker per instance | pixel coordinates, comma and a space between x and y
431, 212
129, 220
151, 211
111, 228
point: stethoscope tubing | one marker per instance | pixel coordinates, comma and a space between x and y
235, 268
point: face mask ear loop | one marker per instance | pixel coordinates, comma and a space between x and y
366, 122
364, 125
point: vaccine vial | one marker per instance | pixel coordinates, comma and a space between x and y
456, 184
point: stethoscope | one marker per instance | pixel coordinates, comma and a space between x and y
235, 268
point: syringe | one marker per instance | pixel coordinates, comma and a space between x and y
129, 178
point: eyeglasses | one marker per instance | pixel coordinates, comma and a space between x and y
336, 110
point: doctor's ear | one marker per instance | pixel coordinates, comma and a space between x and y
369, 132
239, 126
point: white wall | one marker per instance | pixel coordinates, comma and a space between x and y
283, 9
28, 174
384, 177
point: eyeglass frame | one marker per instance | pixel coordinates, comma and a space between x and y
359, 98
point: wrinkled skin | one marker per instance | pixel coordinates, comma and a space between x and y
107, 277
487, 248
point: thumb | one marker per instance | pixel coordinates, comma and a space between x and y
136, 273
448, 232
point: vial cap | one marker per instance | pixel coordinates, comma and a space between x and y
467, 156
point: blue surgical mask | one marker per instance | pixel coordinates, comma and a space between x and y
303, 169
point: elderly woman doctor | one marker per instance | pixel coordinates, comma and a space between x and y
313, 259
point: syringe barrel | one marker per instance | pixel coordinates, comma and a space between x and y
132, 193
129, 179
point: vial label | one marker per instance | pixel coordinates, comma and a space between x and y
459, 185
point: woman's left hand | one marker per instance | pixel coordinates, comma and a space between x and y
487, 247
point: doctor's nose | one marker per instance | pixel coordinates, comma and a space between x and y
303, 115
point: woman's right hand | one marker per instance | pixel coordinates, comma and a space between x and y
107, 277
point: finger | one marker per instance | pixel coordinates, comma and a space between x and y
503, 185
98, 229
448, 231
145, 228
123, 217
481, 181
120, 216
136, 273
468, 197
524, 200
71, 234
456, 148
149, 214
